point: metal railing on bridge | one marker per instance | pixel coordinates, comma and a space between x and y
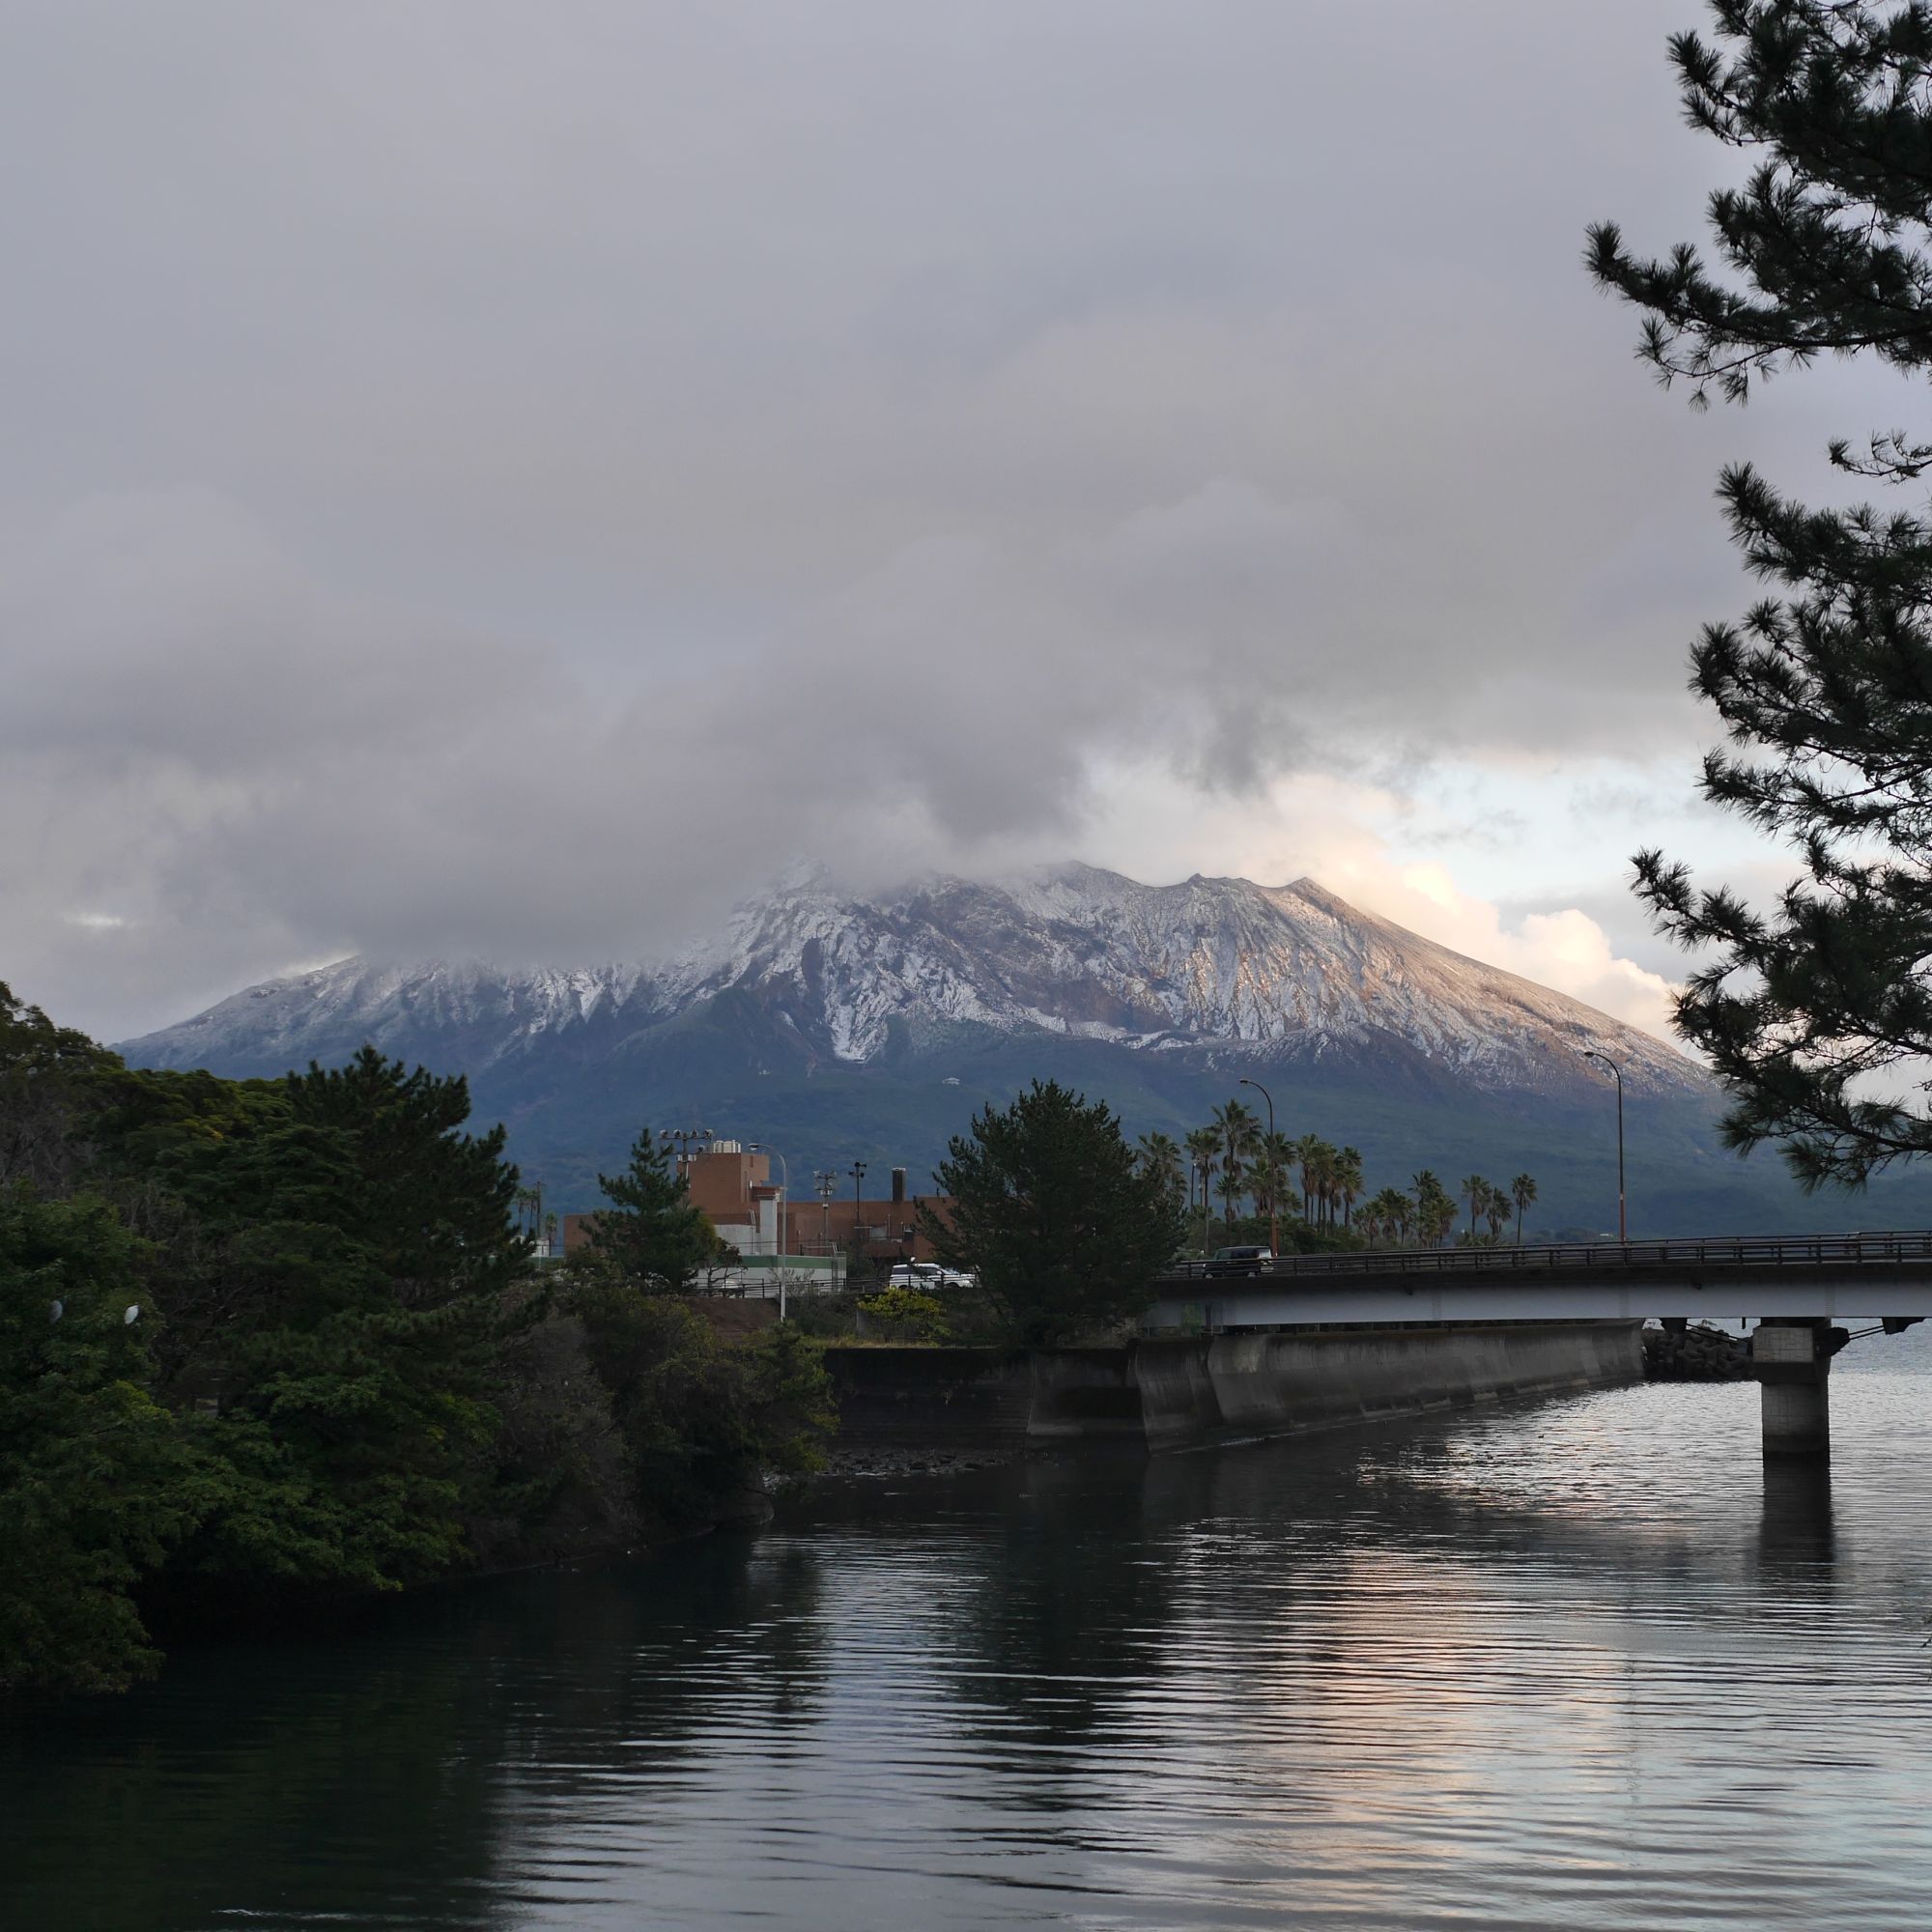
1722, 1251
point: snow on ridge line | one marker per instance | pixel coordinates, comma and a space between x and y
1073, 950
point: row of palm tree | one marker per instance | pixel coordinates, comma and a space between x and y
1234, 1157
528, 1218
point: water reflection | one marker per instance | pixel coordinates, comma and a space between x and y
1528, 1667
1797, 1530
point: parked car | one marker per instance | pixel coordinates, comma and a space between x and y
929, 1277
1241, 1260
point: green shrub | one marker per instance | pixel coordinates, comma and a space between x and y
907, 1313
702, 1422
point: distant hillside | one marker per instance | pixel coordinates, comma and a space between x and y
838, 1028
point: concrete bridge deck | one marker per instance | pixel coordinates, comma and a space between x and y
1725, 1279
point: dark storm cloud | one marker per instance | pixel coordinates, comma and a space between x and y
489, 479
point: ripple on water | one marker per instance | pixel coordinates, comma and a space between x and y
1584, 1662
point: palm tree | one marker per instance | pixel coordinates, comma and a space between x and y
1308, 1155
1238, 1131
1523, 1191
1496, 1210
1385, 1216
529, 1205
1203, 1151
1159, 1157
1273, 1156
1476, 1192
1326, 1163
1348, 1181
1233, 1185
1435, 1209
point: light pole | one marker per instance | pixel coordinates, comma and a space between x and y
686, 1140
1591, 1053
827, 1185
857, 1172
1274, 1224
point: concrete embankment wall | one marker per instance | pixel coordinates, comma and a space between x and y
959, 1400
1181, 1393
1275, 1383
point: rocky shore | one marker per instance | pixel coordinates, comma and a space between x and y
1697, 1353
879, 1462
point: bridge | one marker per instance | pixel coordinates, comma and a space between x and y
1798, 1288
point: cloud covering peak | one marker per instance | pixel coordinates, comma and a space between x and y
485, 483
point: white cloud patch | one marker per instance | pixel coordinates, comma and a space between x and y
1564, 948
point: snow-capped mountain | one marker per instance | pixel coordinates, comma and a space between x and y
837, 1029
1286, 974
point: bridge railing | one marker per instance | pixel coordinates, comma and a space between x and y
1722, 1251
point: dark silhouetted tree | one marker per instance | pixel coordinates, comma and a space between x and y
652, 1233
1816, 1012
1051, 1206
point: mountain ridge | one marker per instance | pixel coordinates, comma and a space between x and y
842, 1028
1071, 950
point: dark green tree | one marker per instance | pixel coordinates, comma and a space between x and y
433, 1204
46, 1079
1816, 1011
702, 1422
95, 1480
345, 1275
1064, 1226
652, 1235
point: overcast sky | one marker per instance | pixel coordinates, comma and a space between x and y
505, 479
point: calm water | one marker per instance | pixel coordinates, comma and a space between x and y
1569, 1664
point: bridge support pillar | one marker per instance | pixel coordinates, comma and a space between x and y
1791, 1358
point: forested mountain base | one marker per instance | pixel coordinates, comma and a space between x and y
268, 1342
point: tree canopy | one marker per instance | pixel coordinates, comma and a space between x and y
1817, 1012
345, 1374
653, 1234
1065, 1224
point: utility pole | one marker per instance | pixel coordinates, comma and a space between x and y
1591, 1053
1274, 1218
857, 1172
826, 1181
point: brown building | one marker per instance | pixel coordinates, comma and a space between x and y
734, 1189
736, 1192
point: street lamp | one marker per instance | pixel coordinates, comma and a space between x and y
1591, 1053
1275, 1226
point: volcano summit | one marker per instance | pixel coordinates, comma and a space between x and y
838, 1027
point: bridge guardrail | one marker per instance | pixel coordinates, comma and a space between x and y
1725, 1251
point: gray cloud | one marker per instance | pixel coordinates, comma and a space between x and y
481, 479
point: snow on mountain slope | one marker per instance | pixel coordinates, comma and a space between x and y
1275, 973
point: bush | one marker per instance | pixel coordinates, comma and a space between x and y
702, 1422
906, 1314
